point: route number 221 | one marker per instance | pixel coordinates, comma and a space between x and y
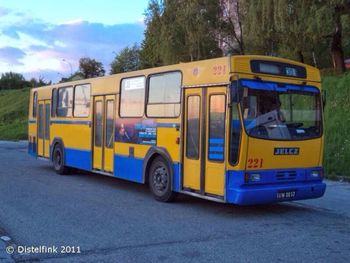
255, 163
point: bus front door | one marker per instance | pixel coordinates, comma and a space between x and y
103, 140
43, 128
204, 141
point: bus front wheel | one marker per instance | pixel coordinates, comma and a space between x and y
58, 160
159, 180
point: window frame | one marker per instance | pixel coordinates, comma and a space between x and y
121, 94
241, 128
113, 114
209, 122
54, 102
95, 123
58, 96
35, 104
73, 107
164, 103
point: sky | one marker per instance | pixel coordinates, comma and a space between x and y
46, 38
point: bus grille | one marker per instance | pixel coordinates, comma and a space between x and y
286, 175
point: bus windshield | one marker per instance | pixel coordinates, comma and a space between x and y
279, 111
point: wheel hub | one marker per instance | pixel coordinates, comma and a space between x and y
160, 179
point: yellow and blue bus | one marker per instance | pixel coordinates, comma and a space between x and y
241, 129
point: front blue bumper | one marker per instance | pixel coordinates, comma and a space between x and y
266, 191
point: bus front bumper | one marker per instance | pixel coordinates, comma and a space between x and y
251, 194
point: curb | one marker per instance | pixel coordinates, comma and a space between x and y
339, 178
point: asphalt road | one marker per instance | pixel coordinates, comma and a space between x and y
111, 220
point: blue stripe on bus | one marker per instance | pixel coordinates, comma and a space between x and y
128, 168
138, 126
176, 179
253, 84
216, 156
32, 149
78, 158
70, 122
168, 125
216, 140
216, 148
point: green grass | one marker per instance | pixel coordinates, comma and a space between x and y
337, 125
14, 111
14, 114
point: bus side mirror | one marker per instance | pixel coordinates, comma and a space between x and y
324, 98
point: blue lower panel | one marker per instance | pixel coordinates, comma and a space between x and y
128, 168
239, 192
32, 149
77, 158
176, 179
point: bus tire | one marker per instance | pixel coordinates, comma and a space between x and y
159, 180
58, 160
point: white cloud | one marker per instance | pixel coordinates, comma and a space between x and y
44, 45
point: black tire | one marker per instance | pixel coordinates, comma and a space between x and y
159, 180
58, 160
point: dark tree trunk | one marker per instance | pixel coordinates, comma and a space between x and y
301, 56
336, 46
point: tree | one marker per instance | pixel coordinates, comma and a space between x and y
40, 82
149, 54
339, 9
261, 35
180, 31
90, 68
293, 20
75, 76
11, 80
128, 59
230, 27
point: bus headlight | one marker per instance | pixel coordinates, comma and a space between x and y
315, 174
252, 177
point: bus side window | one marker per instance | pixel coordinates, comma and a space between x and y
216, 140
65, 102
82, 100
132, 97
35, 103
164, 95
235, 134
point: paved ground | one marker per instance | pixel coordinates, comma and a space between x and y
111, 220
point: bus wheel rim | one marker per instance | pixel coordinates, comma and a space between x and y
160, 179
58, 160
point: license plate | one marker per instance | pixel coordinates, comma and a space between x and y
285, 195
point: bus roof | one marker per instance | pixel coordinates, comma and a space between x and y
198, 73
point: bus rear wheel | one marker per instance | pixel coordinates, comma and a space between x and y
159, 180
58, 160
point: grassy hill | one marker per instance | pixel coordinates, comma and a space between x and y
337, 124
13, 121
13, 114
